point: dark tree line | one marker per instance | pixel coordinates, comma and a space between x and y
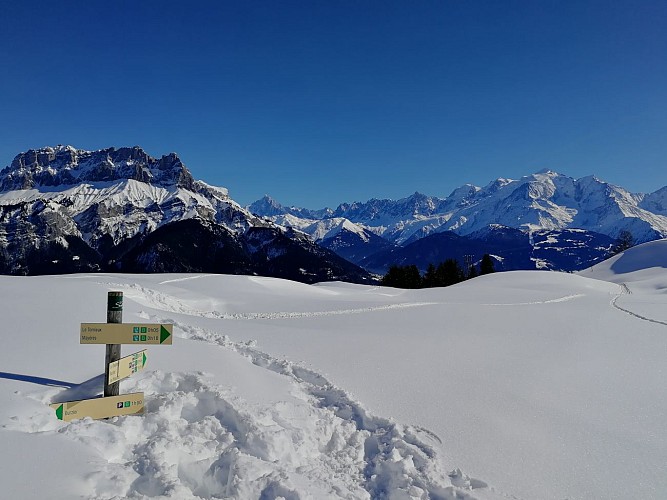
446, 273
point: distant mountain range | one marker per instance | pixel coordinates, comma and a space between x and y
68, 210
545, 220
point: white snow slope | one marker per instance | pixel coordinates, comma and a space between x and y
521, 385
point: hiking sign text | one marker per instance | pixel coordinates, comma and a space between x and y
126, 333
124, 367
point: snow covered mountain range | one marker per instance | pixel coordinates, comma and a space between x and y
544, 207
68, 210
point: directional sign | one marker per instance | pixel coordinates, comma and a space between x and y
124, 367
127, 404
126, 333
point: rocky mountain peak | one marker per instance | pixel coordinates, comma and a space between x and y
66, 165
267, 206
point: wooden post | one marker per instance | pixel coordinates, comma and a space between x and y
114, 315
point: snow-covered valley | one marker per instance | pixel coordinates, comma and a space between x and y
523, 385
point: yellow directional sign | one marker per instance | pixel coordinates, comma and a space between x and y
127, 404
124, 367
126, 333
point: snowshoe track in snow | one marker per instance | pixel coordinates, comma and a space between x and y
164, 302
625, 290
397, 460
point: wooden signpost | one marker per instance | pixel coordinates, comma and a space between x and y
114, 315
113, 333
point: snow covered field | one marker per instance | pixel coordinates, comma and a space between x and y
523, 385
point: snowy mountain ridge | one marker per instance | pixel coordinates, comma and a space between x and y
545, 200
117, 193
117, 207
96, 209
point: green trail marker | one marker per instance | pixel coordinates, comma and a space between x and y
114, 406
126, 333
124, 367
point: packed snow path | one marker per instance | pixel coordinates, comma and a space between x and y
625, 290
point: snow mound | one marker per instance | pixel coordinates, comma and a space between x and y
640, 258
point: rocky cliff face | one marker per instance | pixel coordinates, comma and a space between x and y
67, 166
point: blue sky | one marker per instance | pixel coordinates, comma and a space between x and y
321, 102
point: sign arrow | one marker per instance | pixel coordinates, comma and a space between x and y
164, 334
126, 333
126, 404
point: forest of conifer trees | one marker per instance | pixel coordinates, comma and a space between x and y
446, 273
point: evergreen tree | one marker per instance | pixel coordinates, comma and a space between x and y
402, 277
393, 277
472, 272
449, 273
624, 241
430, 277
412, 277
487, 266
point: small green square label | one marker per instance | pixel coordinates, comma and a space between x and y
143, 338
135, 338
127, 404
135, 329
144, 329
